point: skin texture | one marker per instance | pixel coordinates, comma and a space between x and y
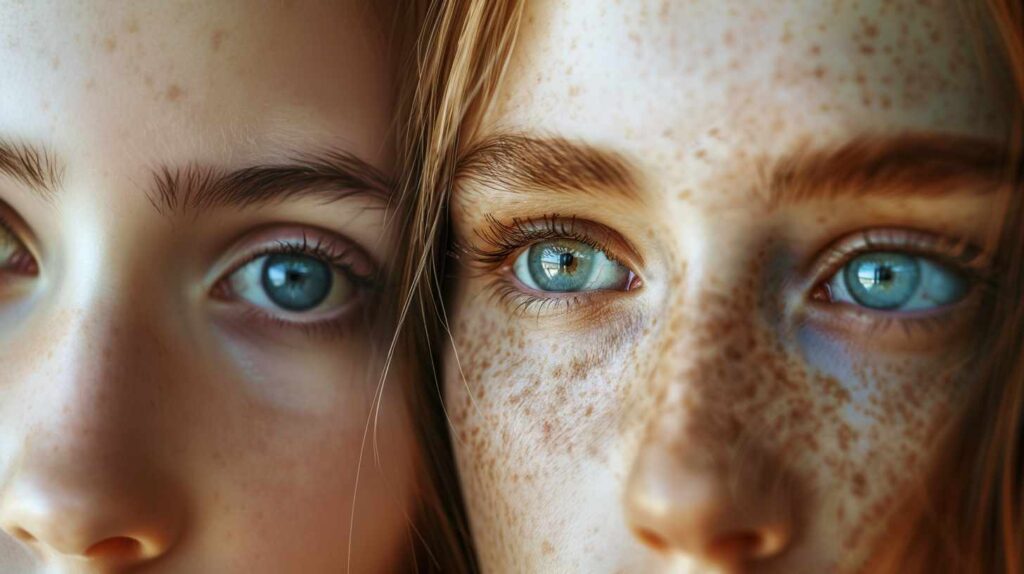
722, 415
150, 422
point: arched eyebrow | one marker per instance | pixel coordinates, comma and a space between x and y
331, 176
913, 164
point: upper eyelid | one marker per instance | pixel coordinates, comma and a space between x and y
963, 256
551, 226
254, 244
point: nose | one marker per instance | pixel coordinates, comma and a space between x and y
77, 517
87, 481
714, 511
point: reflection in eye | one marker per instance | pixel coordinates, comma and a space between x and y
893, 281
566, 265
292, 282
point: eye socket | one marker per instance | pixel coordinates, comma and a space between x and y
895, 281
293, 283
566, 265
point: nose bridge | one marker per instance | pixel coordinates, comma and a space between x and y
704, 482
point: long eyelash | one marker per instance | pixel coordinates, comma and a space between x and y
504, 239
958, 254
328, 252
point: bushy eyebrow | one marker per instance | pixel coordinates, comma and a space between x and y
35, 166
331, 176
554, 164
912, 164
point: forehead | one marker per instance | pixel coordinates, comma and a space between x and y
181, 79
624, 72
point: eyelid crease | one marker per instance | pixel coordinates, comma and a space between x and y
343, 254
962, 256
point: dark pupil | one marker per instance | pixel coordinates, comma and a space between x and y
296, 282
566, 260
883, 274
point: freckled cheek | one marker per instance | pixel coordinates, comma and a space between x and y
882, 439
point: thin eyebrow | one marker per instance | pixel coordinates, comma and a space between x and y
555, 164
333, 176
35, 166
929, 164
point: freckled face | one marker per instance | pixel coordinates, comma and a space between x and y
730, 337
192, 198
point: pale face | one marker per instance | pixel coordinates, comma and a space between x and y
188, 349
718, 274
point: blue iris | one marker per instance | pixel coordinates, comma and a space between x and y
883, 280
558, 267
296, 282
888, 280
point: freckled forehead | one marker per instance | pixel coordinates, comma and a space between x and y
616, 71
168, 79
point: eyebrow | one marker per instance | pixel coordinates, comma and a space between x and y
912, 164
556, 164
915, 164
37, 167
332, 176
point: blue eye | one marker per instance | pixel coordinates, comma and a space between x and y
294, 283
566, 265
893, 281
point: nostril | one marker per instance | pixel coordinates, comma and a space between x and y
115, 547
738, 545
747, 545
23, 535
651, 539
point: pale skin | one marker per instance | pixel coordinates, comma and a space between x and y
723, 409
158, 415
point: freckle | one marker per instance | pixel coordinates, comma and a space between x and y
110, 43
574, 91
701, 154
132, 26
55, 63
216, 39
867, 49
815, 50
819, 72
886, 102
90, 83
175, 93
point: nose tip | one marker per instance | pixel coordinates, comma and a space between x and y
706, 514
106, 533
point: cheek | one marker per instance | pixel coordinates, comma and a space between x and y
279, 474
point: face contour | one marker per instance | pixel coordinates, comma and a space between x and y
718, 267
192, 198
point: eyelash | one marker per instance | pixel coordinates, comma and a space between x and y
503, 240
326, 251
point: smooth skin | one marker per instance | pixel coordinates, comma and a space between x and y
724, 410
155, 416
